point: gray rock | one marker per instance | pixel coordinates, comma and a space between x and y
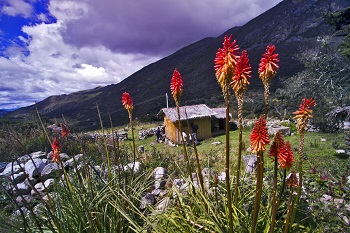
3, 166
38, 155
159, 175
23, 188
31, 181
24, 159
77, 159
207, 172
285, 131
51, 170
222, 176
340, 151
163, 204
34, 167
12, 169
156, 192
27, 199
18, 178
146, 200
249, 162
137, 167
48, 184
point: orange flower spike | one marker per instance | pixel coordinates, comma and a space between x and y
127, 102
225, 61
277, 143
176, 85
305, 108
65, 130
304, 113
286, 158
242, 73
259, 137
56, 151
268, 64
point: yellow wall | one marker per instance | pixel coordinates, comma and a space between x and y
172, 132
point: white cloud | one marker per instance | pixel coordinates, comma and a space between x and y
17, 7
96, 44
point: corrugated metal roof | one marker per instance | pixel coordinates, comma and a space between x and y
193, 112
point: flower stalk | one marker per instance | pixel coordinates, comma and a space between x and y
258, 141
267, 70
303, 114
128, 105
225, 66
176, 85
239, 85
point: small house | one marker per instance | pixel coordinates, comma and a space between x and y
208, 121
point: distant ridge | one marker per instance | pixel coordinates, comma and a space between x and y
292, 25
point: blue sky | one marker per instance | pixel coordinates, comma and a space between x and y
53, 47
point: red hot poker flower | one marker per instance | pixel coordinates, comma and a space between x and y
242, 74
56, 151
304, 113
286, 158
277, 144
176, 86
268, 64
65, 130
282, 151
225, 62
127, 102
259, 137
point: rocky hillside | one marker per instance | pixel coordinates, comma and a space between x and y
292, 25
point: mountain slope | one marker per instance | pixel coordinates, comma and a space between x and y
292, 25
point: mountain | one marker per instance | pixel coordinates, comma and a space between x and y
292, 25
3, 112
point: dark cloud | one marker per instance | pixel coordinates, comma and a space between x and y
157, 27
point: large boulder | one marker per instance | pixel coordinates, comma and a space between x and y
34, 167
51, 170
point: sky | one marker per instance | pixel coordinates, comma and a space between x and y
54, 47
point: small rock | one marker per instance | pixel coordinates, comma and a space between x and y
162, 204
325, 199
222, 176
27, 199
12, 168
48, 184
340, 151
18, 178
250, 163
156, 192
23, 188
216, 143
323, 139
147, 199
3, 166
